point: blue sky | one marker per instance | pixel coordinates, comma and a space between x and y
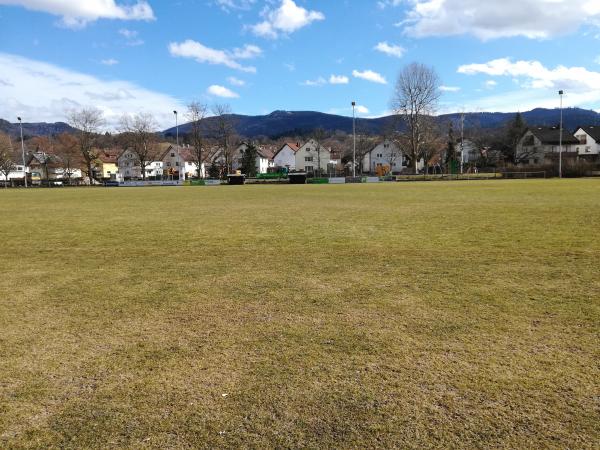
262, 55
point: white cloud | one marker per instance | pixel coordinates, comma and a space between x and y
391, 50
285, 19
369, 75
449, 88
131, 37
203, 54
538, 76
221, 91
247, 52
228, 5
236, 81
491, 84
78, 13
290, 66
338, 79
317, 82
539, 85
362, 109
57, 90
536, 19
109, 62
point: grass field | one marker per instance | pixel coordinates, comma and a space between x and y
446, 315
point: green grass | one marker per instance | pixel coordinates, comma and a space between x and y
445, 315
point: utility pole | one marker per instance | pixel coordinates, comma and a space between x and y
354, 140
23, 151
560, 135
462, 141
177, 140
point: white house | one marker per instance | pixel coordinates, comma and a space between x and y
541, 143
16, 174
311, 156
286, 156
384, 158
179, 163
589, 141
263, 161
129, 166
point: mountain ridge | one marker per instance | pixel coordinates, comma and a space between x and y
281, 123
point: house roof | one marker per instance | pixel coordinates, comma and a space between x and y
43, 158
551, 135
109, 155
295, 147
592, 130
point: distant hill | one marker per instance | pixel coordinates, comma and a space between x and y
35, 129
292, 123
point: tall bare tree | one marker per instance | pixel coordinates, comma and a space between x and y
319, 137
70, 158
196, 114
88, 122
223, 130
139, 134
6, 157
415, 98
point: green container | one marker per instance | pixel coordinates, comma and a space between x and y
318, 181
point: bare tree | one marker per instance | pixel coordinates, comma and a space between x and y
196, 114
88, 122
6, 157
415, 98
223, 130
70, 158
139, 134
319, 137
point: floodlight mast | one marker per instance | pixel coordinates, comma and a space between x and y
23, 151
560, 138
354, 139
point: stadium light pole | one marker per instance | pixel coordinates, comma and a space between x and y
354, 140
560, 93
177, 139
23, 151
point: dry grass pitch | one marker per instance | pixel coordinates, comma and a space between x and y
446, 315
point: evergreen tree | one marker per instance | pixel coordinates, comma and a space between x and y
249, 160
214, 171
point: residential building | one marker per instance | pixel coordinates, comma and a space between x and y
48, 167
16, 175
286, 156
588, 142
540, 144
130, 168
312, 156
106, 165
264, 158
386, 157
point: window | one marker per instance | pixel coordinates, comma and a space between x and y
308, 159
172, 155
588, 149
582, 139
177, 163
169, 164
19, 168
